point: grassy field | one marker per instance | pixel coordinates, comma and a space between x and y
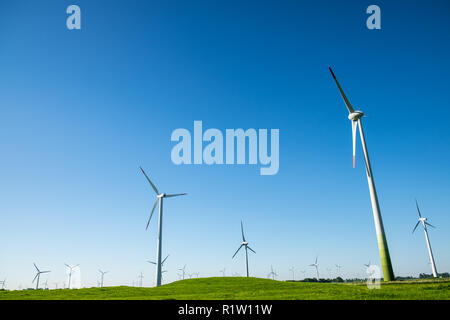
246, 289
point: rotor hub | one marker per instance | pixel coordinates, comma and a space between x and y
356, 115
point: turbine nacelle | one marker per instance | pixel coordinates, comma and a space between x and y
162, 195
244, 243
355, 115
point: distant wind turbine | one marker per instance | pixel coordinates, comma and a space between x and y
38, 275
355, 117
316, 265
3, 283
223, 272
70, 272
159, 198
424, 225
183, 270
367, 265
293, 273
141, 276
102, 275
338, 267
272, 273
246, 246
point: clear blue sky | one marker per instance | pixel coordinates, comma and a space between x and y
82, 110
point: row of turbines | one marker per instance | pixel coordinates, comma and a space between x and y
355, 116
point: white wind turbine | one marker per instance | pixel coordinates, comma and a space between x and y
38, 275
355, 118
103, 274
159, 198
316, 265
183, 271
223, 272
430, 253
3, 283
162, 265
246, 246
70, 272
272, 273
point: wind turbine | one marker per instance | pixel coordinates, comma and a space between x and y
159, 198
246, 246
103, 274
272, 273
38, 275
425, 224
367, 265
183, 270
70, 272
338, 267
162, 264
316, 265
355, 117
140, 279
223, 272
293, 273
3, 282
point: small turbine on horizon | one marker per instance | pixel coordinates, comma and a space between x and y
159, 198
38, 275
355, 118
316, 265
430, 253
272, 273
103, 274
183, 270
246, 246
70, 272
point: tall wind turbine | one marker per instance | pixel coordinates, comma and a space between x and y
38, 275
316, 265
425, 224
70, 271
223, 272
246, 246
355, 118
103, 274
159, 198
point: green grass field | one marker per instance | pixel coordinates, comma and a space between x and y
246, 289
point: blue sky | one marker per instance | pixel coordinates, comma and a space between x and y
81, 110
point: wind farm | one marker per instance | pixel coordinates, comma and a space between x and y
202, 151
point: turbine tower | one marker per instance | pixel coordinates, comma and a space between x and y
103, 274
293, 273
355, 117
159, 198
246, 246
425, 224
316, 265
223, 272
3, 283
38, 275
70, 272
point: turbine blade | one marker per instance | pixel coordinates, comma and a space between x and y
151, 183
347, 103
174, 195
151, 214
35, 277
429, 224
416, 226
251, 249
354, 127
242, 230
418, 210
36, 267
155, 263
237, 251
165, 259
